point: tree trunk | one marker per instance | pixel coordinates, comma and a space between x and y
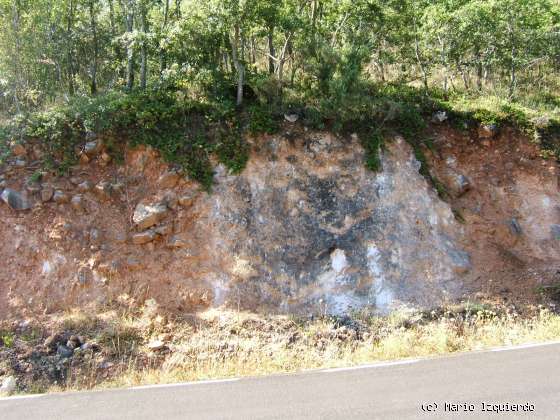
162, 57
314, 12
513, 76
69, 48
117, 48
129, 49
270, 38
444, 63
253, 51
282, 60
479, 69
178, 9
17, 65
463, 75
418, 58
240, 69
95, 48
144, 48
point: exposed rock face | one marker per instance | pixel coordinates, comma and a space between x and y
305, 228
316, 229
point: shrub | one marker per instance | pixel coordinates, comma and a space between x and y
372, 144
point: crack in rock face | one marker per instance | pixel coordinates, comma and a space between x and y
306, 228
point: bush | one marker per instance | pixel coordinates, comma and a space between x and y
372, 144
261, 120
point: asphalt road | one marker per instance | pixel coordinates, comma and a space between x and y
529, 376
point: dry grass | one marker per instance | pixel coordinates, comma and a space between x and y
228, 344
222, 344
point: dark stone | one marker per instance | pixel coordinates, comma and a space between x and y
15, 200
74, 342
93, 148
515, 227
52, 341
60, 197
64, 351
555, 231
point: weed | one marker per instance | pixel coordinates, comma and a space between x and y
36, 176
7, 339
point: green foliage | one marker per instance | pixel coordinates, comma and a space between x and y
549, 138
486, 117
417, 147
232, 150
7, 339
551, 291
36, 176
261, 120
372, 144
5, 134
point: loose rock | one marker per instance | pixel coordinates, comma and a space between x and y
18, 149
93, 148
168, 180
60, 197
459, 184
20, 163
187, 200
147, 215
291, 117
47, 194
8, 386
85, 186
164, 230
439, 116
156, 345
143, 237
15, 200
170, 200
89, 346
78, 203
64, 352
95, 236
103, 190
52, 342
33, 187
177, 242
75, 342
487, 131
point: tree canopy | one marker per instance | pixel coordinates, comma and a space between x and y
52, 49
